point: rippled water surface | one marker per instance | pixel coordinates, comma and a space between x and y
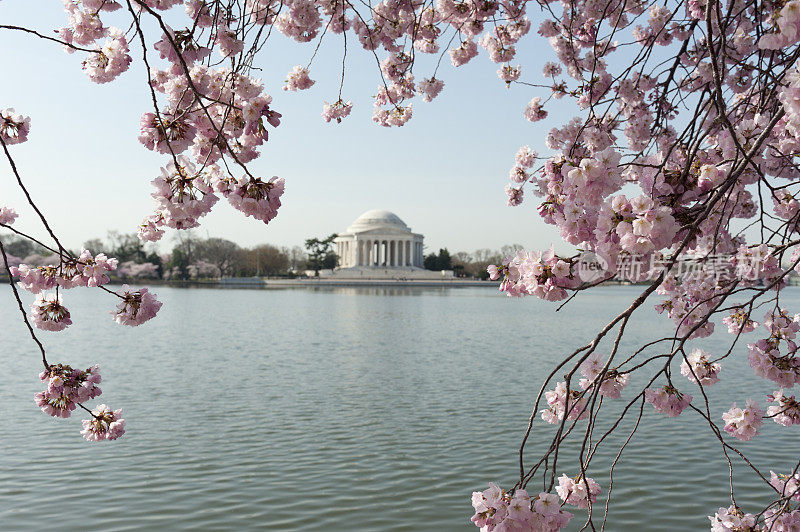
340, 409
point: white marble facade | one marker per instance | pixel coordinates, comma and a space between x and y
379, 239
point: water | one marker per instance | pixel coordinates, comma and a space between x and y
340, 409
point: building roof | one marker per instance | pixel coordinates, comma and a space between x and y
378, 219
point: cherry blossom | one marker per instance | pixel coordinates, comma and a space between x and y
7, 215
337, 110
787, 485
574, 490
743, 422
66, 387
430, 88
667, 400
105, 424
699, 369
534, 111
787, 410
496, 509
297, 79
562, 400
14, 128
732, 519
739, 322
611, 382
48, 314
136, 307
110, 61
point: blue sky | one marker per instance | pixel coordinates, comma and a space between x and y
443, 173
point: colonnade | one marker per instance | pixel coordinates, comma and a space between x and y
386, 252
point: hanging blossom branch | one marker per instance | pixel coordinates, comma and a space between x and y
695, 102
696, 105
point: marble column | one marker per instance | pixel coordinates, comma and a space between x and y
400, 253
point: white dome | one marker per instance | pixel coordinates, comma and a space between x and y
376, 219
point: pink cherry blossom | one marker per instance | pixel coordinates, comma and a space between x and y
7, 215
787, 410
667, 400
732, 519
105, 424
498, 510
136, 307
14, 128
786, 485
48, 314
574, 490
698, 368
430, 88
563, 401
743, 423
739, 322
297, 79
534, 111
336, 111
66, 387
110, 60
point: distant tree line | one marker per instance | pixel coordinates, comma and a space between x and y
191, 257
466, 264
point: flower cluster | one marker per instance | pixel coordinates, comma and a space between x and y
105, 424
739, 322
495, 509
562, 400
667, 400
786, 485
7, 215
765, 355
66, 387
183, 194
779, 520
86, 270
297, 79
611, 382
253, 196
337, 110
430, 88
787, 410
757, 263
579, 491
534, 111
136, 306
543, 274
14, 127
743, 423
788, 28
637, 226
211, 130
732, 519
110, 60
699, 369
48, 313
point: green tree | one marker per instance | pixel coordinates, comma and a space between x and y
445, 263
430, 262
439, 262
320, 254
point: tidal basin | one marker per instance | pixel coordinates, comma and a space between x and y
328, 409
